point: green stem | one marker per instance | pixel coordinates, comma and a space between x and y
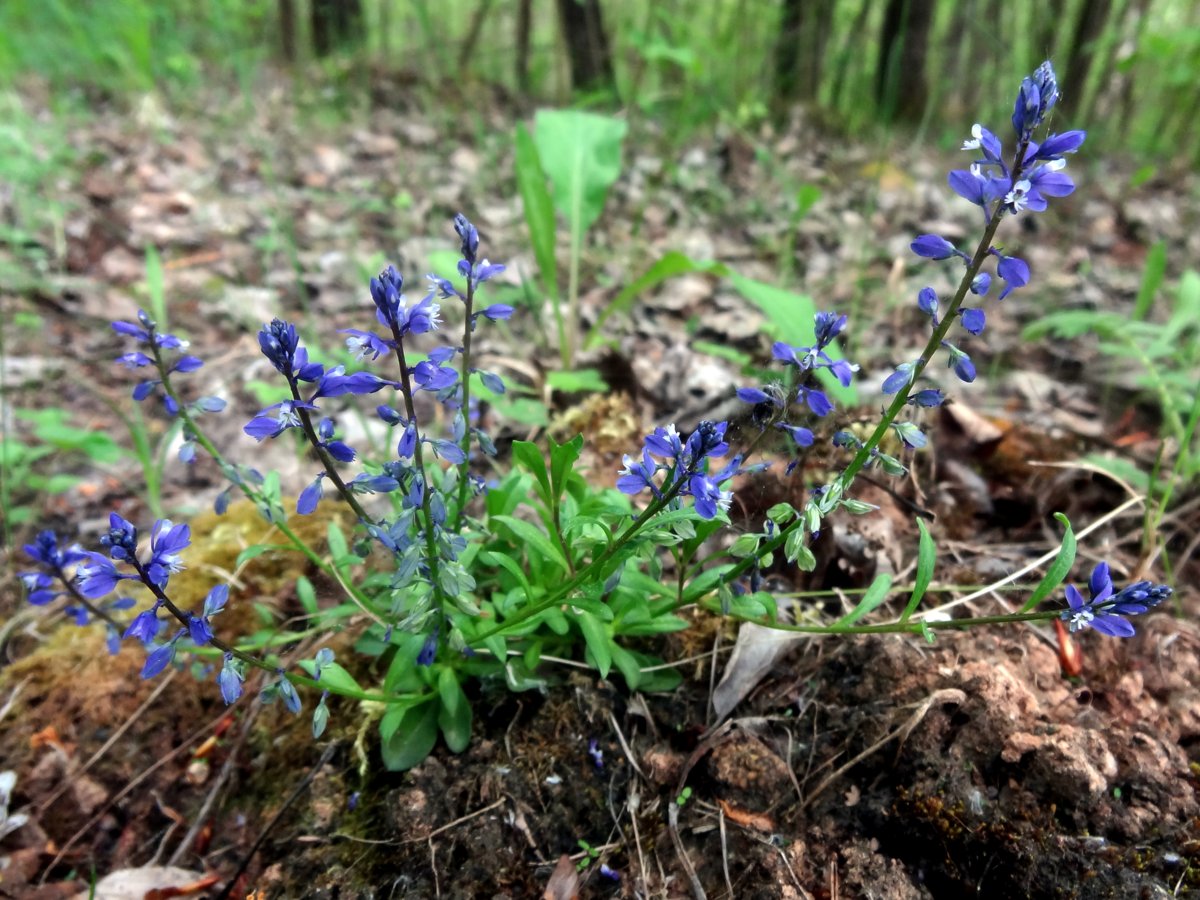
419, 460
326, 460
257, 498
464, 468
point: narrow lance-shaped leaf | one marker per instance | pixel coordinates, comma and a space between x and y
1059, 569
926, 558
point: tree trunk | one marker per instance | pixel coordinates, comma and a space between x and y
901, 89
287, 29
1093, 17
524, 26
336, 24
587, 45
804, 30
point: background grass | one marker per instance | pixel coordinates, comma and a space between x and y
687, 64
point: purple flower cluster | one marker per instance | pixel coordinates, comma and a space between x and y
53, 580
772, 401
1105, 610
685, 463
146, 334
1034, 173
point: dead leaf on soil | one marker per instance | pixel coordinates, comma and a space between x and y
755, 653
564, 881
150, 883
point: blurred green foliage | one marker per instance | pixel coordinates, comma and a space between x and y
683, 64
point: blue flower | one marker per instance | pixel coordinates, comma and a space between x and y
815, 400
160, 657
961, 363
637, 475
98, 577
934, 246
1104, 610
1037, 96
927, 302
392, 310
596, 753
910, 435
45, 550
165, 543
230, 680
710, 499
40, 587
121, 538
428, 650
929, 397
287, 691
1013, 271
469, 236
365, 343
307, 502
972, 319
802, 436
899, 379
144, 626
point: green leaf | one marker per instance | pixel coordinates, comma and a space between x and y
529, 458
495, 558
1152, 278
535, 538
338, 548
539, 208
408, 733
797, 551
562, 461
1059, 569
454, 717
874, 595
670, 265
581, 154
155, 289
578, 381
627, 665
926, 558
307, 595
256, 550
402, 674
596, 636
333, 677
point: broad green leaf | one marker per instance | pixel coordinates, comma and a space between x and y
578, 381
409, 733
529, 458
510, 565
627, 665
539, 208
307, 595
874, 595
595, 635
338, 548
562, 460
926, 558
581, 154
535, 538
333, 677
1059, 569
454, 717
256, 550
1152, 278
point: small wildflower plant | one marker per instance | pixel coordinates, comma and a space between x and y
452, 580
